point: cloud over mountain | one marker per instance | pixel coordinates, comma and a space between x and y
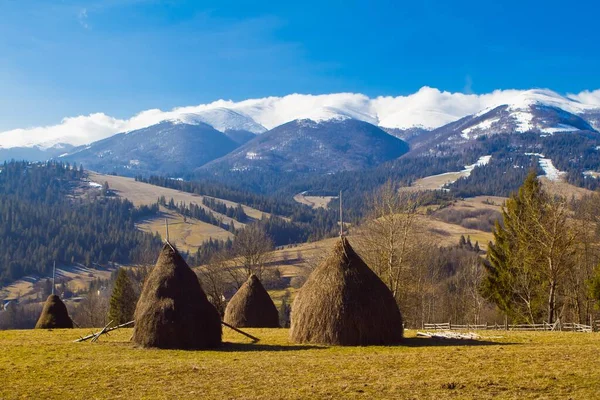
428, 108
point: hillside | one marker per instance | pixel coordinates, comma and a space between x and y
42, 222
170, 148
140, 193
307, 146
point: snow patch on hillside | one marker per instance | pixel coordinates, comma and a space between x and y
483, 160
487, 124
440, 181
524, 120
559, 128
550, 171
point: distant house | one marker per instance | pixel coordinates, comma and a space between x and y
8, 302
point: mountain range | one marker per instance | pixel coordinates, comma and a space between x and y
427, 109
318, 134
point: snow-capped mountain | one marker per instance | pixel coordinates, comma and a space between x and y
164, 148
319, 147
222, 119
427, 109
533, 111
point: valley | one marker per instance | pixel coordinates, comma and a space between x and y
294, 200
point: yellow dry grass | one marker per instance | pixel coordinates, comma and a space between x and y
563, 189
140, 193
445, 234
314, 201
188, 235
76, 278
47, 364
292, 261
435, 182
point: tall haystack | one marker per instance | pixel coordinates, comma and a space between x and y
173, 311
54, 315
344, 302
252, 307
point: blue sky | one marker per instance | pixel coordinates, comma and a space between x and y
66, 58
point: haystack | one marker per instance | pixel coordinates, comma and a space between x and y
54, 315
343, 302
173, 311
252, 307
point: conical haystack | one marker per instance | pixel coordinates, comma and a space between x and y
344, 302
252, 307
173, 311
54, 315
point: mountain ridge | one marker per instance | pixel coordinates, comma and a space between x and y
426, 109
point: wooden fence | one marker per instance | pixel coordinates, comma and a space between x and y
557, 326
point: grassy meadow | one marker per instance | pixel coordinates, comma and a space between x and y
514, 365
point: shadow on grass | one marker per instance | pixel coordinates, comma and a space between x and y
235, 347
432, 342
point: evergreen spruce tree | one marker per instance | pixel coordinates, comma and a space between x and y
594, 285
123, 299
531, 253
512, 282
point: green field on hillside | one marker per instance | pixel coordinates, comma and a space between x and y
47, 364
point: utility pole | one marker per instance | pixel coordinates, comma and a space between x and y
341, 216
167, 225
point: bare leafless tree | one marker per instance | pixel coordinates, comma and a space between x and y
391, 236
214, 278
92, 311
252, 249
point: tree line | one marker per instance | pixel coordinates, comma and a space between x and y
42, 221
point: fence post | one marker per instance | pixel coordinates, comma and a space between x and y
506, 322
449, 325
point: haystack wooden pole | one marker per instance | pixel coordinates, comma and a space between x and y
254, 338
167, 226
102, 331
92, 335
54, 277
341, 216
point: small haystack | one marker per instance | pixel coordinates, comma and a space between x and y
173, 311
252, 307
54, 315
343, 302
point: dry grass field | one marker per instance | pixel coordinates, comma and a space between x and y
188, 235
446, 234
541, 365
435, 182
76, 278
564, 189
314, 201
140, 193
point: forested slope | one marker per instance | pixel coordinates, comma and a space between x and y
41, 221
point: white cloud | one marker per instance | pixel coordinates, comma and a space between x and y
82, 18
429, 108
75, 130
587, 97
